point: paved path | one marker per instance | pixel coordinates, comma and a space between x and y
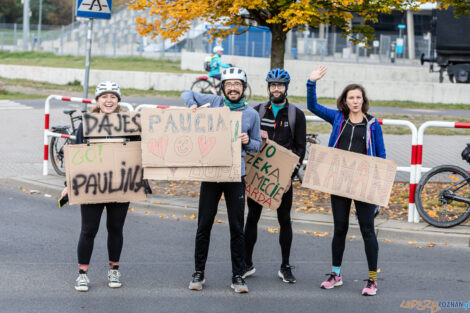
38, 268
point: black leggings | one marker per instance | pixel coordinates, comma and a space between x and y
365, 212
91, 216
285, 234
234, 194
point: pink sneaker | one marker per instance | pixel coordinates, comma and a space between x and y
332, 281
370, 289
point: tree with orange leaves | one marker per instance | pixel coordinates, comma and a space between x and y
173, 18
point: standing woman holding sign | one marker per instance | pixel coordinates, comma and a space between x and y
356, 131
107, 96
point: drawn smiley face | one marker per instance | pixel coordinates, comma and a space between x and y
183, 146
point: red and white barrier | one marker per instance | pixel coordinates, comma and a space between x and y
48, 133
409, 169
152, 106
419, 148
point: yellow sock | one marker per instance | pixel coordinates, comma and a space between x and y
373, 275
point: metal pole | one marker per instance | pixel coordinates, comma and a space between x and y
15, 39
114, 43
1, 40
87, 62
39, 23
62, 40
26, 25
264, 43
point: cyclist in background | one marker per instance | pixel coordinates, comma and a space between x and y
216, 63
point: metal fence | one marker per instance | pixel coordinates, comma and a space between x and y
118, 37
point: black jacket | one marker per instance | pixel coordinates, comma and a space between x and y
279, 131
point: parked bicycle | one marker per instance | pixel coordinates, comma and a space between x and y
209, 85
443, 194
57, 144
311, 138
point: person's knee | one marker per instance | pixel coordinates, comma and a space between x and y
341, 229
367, 231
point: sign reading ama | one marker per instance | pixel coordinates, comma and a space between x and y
105, 172
268, 173
208, 173
186, 138
114, 124
351, 175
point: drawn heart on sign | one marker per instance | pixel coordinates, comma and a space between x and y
172, 170
159, 147
205, 144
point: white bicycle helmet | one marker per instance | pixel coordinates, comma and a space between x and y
234, 73
217, 49
108, 86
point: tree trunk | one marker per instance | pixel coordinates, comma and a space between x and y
278, 46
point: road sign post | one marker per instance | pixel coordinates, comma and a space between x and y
91, 9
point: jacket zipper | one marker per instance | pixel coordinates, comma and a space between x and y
352, 134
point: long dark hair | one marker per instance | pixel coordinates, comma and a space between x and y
341, 101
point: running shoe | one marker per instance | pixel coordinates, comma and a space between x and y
198, 281
81, 284
238, 284
285, 273
370, 289
113, 278
249, 271
332, 281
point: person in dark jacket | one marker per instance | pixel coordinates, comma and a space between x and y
107, 95
275, 126
357, 131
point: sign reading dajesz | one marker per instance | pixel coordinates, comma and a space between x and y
94, 8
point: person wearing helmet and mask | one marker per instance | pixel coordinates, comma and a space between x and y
233, 86
277, 115
216, 63
107, 96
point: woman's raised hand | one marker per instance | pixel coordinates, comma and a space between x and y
318, 73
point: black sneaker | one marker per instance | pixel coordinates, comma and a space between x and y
285, 273
238, 284
250, 270
198, 281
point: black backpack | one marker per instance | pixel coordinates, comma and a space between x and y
290, 113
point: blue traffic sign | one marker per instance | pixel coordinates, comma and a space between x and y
94, 8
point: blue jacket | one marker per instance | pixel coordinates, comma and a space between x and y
250, 119
374, 141
216, 64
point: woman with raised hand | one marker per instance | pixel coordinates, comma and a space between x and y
357, 131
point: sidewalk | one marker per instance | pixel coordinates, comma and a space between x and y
398, 231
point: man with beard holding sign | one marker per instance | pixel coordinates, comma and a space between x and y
283, 123
233, 86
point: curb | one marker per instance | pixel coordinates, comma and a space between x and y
421, 233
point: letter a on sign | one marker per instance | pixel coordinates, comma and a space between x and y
94, 8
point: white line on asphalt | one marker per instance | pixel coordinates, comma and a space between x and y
11, 105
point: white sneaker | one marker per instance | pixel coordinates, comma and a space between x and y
113, 279
82, 282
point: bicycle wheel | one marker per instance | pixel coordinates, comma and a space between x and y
202, 86
56, 154
435, 194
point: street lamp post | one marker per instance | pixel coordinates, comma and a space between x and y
25, 24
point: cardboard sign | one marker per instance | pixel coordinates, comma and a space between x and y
105, 172
268, 172
183, 138
114, 124
208, 173
351, 175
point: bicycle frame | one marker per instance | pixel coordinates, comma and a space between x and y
452, 189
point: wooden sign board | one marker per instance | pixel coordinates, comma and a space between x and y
105, 172
186, 138
351, 175
268, 173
